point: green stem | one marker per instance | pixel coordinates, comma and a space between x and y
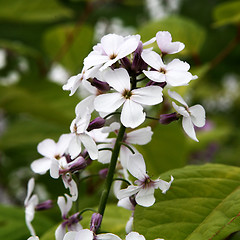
111, 170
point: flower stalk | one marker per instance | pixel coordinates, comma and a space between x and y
111, 170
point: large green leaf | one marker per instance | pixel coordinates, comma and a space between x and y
203, 203
227, 13
69, 45
182, 29
34, 11
13, 227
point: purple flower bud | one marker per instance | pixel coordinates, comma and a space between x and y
160, 84
138, 63
44, 205
96, 221
103, 173
77, 164
168, 118
102, 86
126, 63
96, 123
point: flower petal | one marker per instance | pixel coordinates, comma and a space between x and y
177, 97
65, 205
108, 102
152, 59
108, 236
164, 186
60, 232
41, 166
47, 148
118, 79
189, 128
70, 236
75, 146
90, 145
145, 197
150, 95
85, 234
155, 76
140, 136
181, 110
198, 117
134, 236
127, 192
132, 114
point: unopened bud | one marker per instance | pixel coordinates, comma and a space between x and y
138, 63
102, 86
96, 221
168, 118
77, 164
44, 205
96, 123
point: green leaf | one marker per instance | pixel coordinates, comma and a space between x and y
182, 29
34, 11
69, 45
202, 203
12, 223
227, 13
159, 154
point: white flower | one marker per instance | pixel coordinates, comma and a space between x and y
71, 223
132, 114
145, 186
30, 202
174, 73
137, 236
74, 82
78, 127
86, 234
165, 44
52, 152
71, 185
194, 115
112, 48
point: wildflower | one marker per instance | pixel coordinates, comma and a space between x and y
145, 186
194, 115
132, 114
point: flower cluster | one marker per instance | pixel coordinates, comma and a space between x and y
124, 78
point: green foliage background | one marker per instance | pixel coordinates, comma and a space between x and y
44, 33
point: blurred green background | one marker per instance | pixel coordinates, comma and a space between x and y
43, 43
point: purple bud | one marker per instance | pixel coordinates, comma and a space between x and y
77, 164
160, 84
168, 118
44, 205
96, 221
138, 63
96, 123
126, 63
102, 86
103, 173
133, 201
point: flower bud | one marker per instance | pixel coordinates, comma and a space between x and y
138, 63
77, 164
44, 205
96, 221
168, 118
102, 86
96, 123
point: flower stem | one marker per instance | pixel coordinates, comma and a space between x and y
111, 170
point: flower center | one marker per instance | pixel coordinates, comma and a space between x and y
113, 56
163, 70
127, 94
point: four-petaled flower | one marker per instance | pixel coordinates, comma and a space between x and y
145, 186
132, 114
